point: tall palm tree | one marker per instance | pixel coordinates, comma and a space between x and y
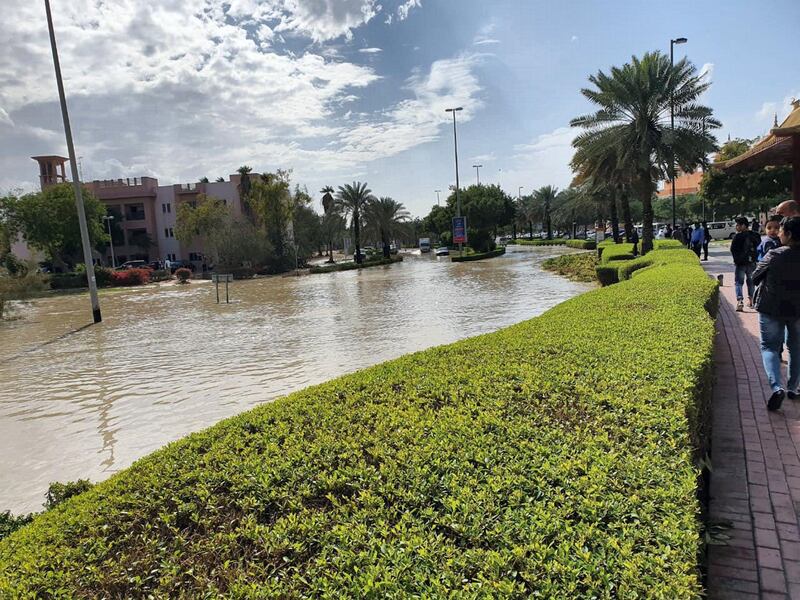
350, 201
388, 217
327, 198
244, 188
529, 209
545, 196
633, 121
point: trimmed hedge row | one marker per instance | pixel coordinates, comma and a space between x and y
667, 245
546, 464
582, 244
623, 251
352, 266
553, 242
479, 255
615, 271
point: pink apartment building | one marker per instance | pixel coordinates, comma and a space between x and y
143, 210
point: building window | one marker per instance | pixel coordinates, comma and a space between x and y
169, 207
195, 256
169, 232
164, 208
166, 232
171, 257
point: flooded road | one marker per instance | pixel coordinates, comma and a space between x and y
85, 402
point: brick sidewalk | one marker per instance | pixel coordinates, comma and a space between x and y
755, 483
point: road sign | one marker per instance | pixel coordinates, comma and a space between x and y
459, 230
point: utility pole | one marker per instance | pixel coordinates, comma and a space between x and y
680, 40
478, 172
108, 219
76, 183
437, 197
455, 145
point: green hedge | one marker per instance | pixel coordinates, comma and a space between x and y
582, 244
619, 269
556, 458
668, 245
613, 251
352, 266
553, 242
478, 255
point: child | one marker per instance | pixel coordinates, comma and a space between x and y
771, 240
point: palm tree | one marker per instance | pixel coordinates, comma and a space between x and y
545, 196
219, 180
350, 201
528, 211
244, 187
327, 198
633, 121
388, 217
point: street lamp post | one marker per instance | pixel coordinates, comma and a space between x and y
76, 182
680, 40
437, 196
478, 172
455, 146
108, 219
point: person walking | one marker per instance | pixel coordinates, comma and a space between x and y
777, 301
706, 240
744, 249
633, 238
677, 234
698, 235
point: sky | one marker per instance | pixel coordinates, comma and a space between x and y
356, 90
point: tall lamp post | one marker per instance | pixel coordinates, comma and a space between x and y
478, 172
455, 145
437, 196
680, 40
76, 180
108, 219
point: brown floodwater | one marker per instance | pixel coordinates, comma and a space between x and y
80, 401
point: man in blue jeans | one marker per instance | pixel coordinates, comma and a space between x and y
778, 304
744, 249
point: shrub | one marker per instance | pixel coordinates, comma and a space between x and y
67, 281
103, 276
581, 244
130, 277
160, 275
607, 274
616, 252
352, 266
656, 257
183, 274
56, 494
242, 273
554, 242
10, 523
668, 245
478, 255
19, 287
548, 463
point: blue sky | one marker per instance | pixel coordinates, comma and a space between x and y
343, 90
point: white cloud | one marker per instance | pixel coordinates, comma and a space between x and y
173, 91
544, 161
484, 35
574, 38
483, 42
485, 157
781, 108
405, 8
370, 50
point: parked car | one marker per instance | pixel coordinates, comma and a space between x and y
134, 264
442, 251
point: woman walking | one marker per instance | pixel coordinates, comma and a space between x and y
777, 301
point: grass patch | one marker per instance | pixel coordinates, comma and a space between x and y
577, 267
558, 460
553, 242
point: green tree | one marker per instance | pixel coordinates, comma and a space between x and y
350, 201
388, 218
48, 221
219, 180
271, 204
632, 121
328, 201
203, 180
545, 196
202, 221
733, 148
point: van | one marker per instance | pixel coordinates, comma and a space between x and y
722, 230
424, 245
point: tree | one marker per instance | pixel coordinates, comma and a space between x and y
327, 198
350, 201
48, 221
388, 218
271, 202
487, 208
219, 180
733, 148
203, 180
545, 196
633, 121
244, 188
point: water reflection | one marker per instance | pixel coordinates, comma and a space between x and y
85, 402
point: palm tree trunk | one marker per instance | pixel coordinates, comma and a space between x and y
547, 218
357, 236
644, 190
612, 205
384, 239
626, 212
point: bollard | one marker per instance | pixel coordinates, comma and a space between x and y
719, 278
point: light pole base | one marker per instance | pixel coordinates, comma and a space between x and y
96, 314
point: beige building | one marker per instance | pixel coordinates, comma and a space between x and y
143, 212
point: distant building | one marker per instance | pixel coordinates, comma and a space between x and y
686, 184
145, 211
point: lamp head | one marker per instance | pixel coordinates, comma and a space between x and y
454, 109
680, 40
